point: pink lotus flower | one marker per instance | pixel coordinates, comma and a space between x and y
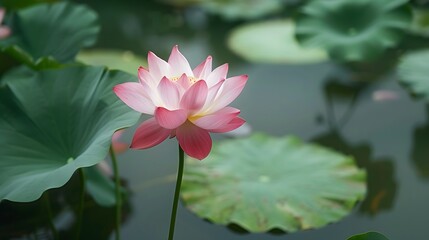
4, 31
186, 104
118, 146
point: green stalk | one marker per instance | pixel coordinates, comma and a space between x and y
176, 193
49, 213
81, 204
117, 193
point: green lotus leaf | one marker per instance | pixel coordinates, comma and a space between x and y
263, 183
272, 42
54, 122
369, 236
100, 187
353, 30
23, 57
241, 9
414, 72
56, 31
113, 59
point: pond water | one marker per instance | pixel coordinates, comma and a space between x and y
336, 105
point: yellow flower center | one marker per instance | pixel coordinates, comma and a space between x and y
192, 80
194, 118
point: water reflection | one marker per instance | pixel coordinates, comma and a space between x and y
372, 71
420, 151
344, 92
237, 229
32, 220
381, 181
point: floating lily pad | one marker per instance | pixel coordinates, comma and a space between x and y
50, 33
414, 72
272, 42
113, 59
263, 183
54, 122
353, 30
369, 236
241, 9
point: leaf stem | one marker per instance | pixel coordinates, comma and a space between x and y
176, 193
117, 193
81, 204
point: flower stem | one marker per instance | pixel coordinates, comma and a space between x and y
49, 215
81, 204
176, 193
117, 193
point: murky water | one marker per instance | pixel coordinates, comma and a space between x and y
326, 103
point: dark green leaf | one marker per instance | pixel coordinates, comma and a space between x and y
56, 31
353, 30
54, 122
414, 72
100, 187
